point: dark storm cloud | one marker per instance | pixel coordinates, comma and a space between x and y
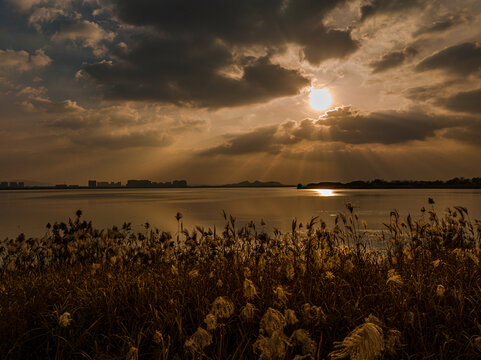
259, 140
431, 92
470, 133
439, 26
190, 75
342, 125
462, 59
270, 23
192, 50
468, 102
392, 60
392, 127
386, 7
422, 93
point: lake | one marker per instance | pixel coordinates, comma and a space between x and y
28, 211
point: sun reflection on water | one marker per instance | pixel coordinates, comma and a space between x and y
324, 192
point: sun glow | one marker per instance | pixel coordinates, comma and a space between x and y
325, 192
320, 99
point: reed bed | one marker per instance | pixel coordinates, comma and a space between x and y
243, 293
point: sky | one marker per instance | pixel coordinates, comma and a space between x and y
218, 91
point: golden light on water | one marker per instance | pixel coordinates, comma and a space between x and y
325, 192
320, 99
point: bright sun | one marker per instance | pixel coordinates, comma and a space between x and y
320, 99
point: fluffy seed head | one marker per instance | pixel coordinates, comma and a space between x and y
394, 278
291, 317
302, 338
158, 337
311, 313
281, 294
249, 289
247, 312
366, 342
199, 340
211, 321
440, 290
133, 354
272, 320
222, 308
329, 275
272, 347
65, 319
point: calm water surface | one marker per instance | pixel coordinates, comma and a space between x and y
29, 211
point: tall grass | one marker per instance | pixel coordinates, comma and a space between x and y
312, 293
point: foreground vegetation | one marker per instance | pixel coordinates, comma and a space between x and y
312, 293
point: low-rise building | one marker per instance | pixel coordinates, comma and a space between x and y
139, 183
106, 184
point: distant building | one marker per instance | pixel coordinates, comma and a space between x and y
92, 183
21, 184
150, 184
139, 183
73, 186
61, 186
106, 184
4, 185
13, 185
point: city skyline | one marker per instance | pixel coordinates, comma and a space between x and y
293, 91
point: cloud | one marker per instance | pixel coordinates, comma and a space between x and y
387, 7
45, 105
88, 33
25, 5
244, 23
467, 102
422, 93
470, 133
439, 26
392, 60
118, 141
343, 125
112, 128
21, 60
389, 127
216, 53
43, 15
160, 70
462, 59
259, 140
63, 24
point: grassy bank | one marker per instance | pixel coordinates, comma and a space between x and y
241, 293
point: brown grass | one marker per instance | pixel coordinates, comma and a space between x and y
146, 296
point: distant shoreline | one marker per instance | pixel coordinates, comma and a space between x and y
150, 187
367, 187
300, 187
